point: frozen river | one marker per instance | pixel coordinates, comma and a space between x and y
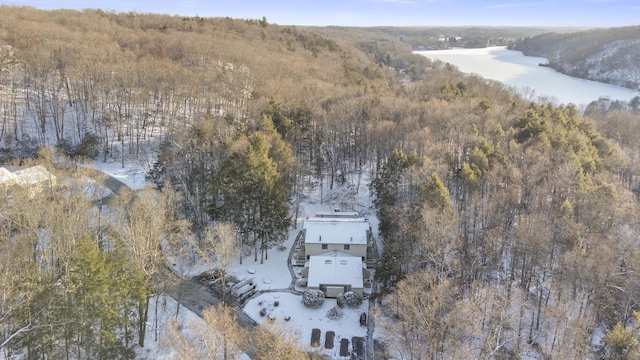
524, 74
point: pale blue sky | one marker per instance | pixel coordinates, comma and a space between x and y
381, 12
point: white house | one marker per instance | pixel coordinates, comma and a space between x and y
336, 248
347, 234
7, 178
34, 178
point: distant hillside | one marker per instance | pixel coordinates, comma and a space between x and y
393, 46
443, 36
606, 55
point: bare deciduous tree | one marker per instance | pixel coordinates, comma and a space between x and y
276, 341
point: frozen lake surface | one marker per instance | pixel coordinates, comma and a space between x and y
524, 74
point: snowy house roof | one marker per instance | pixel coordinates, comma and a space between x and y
341, 230
33, 175
7, 177
335, 268
337, 214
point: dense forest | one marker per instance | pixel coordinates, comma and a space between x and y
510, 228
605, 55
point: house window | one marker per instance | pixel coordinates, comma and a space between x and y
347, 246
324, 246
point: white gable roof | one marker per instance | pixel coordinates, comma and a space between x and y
33, 175
335, 268
6, 176
337, 214
336, 230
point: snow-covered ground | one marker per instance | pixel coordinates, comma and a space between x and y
271, 277
132, 174
274, 274
302, 320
